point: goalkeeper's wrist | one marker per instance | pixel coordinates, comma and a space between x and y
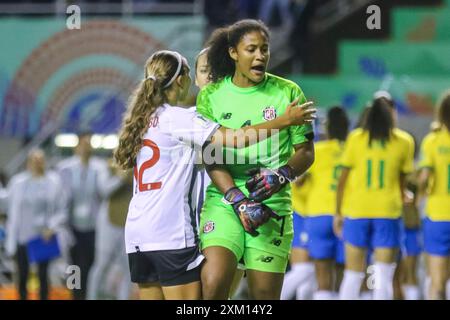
233, 195
288, 173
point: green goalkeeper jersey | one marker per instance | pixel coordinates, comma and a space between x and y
235, 107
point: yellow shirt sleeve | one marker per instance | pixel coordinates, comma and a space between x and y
408, 164
426, 156
348, 156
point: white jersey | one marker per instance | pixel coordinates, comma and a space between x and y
203, 182
35, 203
162, 212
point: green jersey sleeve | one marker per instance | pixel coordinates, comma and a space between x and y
299, 134
204, 104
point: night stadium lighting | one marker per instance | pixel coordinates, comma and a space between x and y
66, 140
98, 141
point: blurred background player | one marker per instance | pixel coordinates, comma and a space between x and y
435, 168
406, 282
110, 240
299, 282
325, 248
375, 163
85, 178
36, 209
435, 126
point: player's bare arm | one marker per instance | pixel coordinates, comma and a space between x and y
338, 219
303, 158
295, 115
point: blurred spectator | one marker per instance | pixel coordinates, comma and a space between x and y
110, 240
248, 9
303, 13
3, 194
269, 8
36, 208
220, 13
84, 179
2, 178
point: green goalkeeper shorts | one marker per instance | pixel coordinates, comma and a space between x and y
267, 252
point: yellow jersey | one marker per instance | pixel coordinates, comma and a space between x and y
435, 154
374, 177
299, 197
323, 176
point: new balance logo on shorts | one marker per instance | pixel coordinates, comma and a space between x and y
266, 259
226, 115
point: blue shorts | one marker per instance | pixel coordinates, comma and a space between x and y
322, 242
372, 233
436, 236
411, 241
300, 235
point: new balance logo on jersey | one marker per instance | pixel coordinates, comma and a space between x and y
226, 115
267, 259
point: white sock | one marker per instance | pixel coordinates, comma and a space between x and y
384, 276
411, 292
447, 290
323, 295
366, 295
306, 290
299, 274
427, 288
351, 285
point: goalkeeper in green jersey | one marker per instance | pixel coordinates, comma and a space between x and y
242, 93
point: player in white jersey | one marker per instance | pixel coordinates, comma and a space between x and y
161, 142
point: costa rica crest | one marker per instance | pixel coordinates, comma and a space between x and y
269, 113
208, 227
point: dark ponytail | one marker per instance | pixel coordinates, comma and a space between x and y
337, 123
379, 122
444, 110
218, 57
224, 38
